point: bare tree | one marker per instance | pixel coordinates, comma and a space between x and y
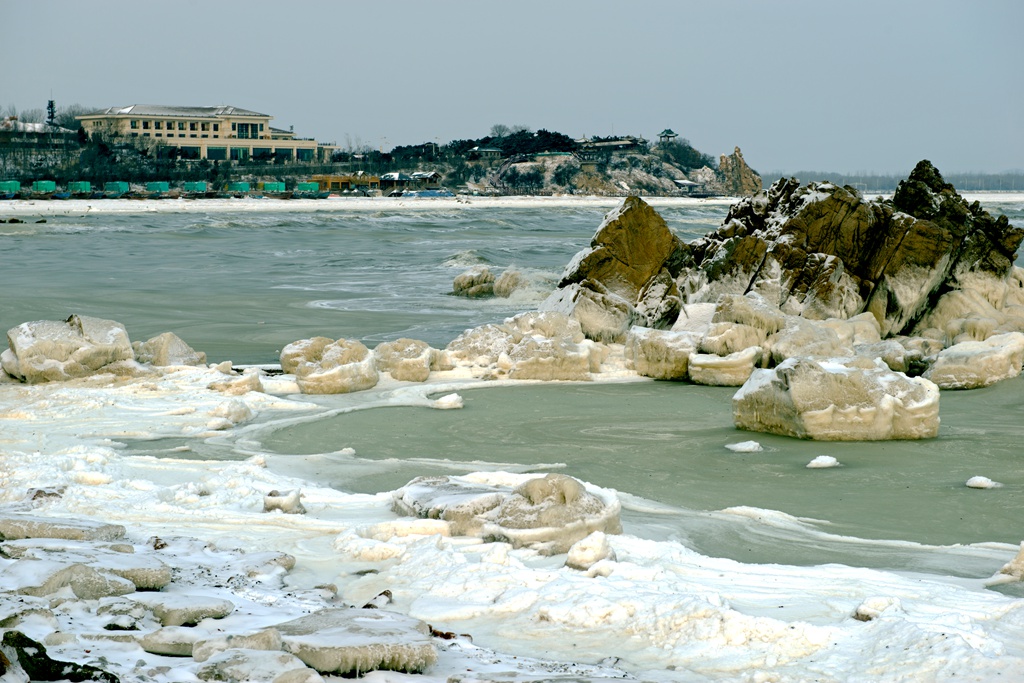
32, 116
500, 130
66, 115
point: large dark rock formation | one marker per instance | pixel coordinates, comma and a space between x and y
824, 251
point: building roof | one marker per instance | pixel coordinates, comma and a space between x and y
668, 133
10, 125
167, 110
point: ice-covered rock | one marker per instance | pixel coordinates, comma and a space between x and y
267, 639
15, 526
822, 462
745, 447
533, 345
587, 552
325, 366
980, 482
355, 641
602, 315
660, 354
53, 351
837, 400
143, 570
1014, 569
237, 386
724, 371
256, 665
167, 349
288, 502
475, 282
46, 577
407, 360
973, 364
184, 609
547, 513
509, 281
171, 641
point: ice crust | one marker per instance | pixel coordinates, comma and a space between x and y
652, 604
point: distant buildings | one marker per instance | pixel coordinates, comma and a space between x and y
216, 133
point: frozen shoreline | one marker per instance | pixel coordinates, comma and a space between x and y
675, 614
77, 207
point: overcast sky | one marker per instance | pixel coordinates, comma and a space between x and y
843, 86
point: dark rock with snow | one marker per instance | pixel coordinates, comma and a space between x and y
31, 658
823, 251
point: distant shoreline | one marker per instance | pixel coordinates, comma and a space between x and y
20, 208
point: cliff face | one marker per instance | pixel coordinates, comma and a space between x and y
738, 179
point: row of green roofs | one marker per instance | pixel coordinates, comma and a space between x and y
84, 186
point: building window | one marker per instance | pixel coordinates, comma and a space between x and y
181, 125
181, 135
204, 135
216, 126
135, 124
234, 125
206, 126
261, 127
145, 125
239, 154
135, 135
170, 125
145, 135
159, 135
159, 125
192, 126
192, 135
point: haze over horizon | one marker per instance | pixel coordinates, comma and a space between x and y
798, 86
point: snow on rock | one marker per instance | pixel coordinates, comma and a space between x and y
603, 315
256, 665
238, 385
45, 577
847, 399
407, 360
324, 366
355, 641
547, 514
1014, 569
660, 354
184, 609
54, 351
15, 526
822, 461
448, 402
144, 571
974, 364
171, 641
167, 349
267, 639
724, 371
288, 502
981, 483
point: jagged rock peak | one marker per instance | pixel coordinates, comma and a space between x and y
739, 179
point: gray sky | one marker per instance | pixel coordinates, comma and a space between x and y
844, 86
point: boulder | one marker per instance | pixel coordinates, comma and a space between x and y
267, 639
738, 179
325, 366
631, 261
171, 641
35, 665
660, 354
181, 609
15, 526
54, 351
730, 370
167, 349
45, 577
474, 283
852, 399
973, 364
355, 641
256, 665
533, 345
407, 360
547, 514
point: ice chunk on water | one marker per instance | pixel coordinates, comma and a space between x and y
745, 447
823, 461
982, 483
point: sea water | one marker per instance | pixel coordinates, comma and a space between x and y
240, 285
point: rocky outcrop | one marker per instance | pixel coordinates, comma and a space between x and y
627, 274
823, 251
738, 179
50, 350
